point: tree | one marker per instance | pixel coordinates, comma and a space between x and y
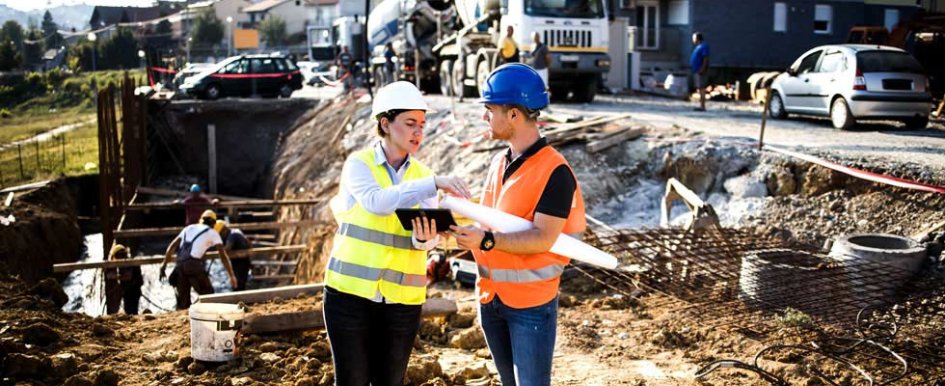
51, 31
33, 47
163, 34
9, 57
208, 30
13, 32
272, 31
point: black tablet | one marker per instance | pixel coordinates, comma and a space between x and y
443, 217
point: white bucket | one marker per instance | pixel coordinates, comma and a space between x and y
213, 331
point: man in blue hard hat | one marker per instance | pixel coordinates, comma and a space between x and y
195, 204
518, 275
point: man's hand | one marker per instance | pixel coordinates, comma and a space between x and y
468, 237
163, 273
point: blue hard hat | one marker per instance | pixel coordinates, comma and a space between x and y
515, 84
195, 188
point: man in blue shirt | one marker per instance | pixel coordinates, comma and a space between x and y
699, 62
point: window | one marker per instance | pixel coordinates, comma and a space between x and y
890, 19
678, 12
263, 66
807, 64
887, 61
237, 67
648, 25
823, 18
780, 17
833, 61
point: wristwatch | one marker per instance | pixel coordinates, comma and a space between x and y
488, 242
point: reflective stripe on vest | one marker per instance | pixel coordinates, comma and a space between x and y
521, 275
375, 274
376, 237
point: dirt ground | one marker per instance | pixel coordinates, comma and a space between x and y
610, 331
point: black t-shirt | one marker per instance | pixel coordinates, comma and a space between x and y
558, 195
236, 241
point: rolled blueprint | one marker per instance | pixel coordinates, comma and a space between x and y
503, 222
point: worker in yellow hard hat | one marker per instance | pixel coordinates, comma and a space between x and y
190, 270
123, 284
235, 240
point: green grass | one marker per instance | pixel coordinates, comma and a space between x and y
67, 101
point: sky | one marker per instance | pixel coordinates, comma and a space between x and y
29, 5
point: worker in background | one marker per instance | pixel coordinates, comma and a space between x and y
345, 62
190, 270
235, 240
195, 204
375, 282
540, 58
508, 50
699, 61
389, 55
122, 285
518, 276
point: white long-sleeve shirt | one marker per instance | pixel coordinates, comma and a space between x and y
358, 186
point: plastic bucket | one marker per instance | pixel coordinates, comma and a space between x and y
214, 330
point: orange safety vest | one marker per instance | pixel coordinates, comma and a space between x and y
524, 281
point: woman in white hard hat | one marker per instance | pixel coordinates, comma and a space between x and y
375, 279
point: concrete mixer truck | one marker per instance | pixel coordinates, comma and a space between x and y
451, 45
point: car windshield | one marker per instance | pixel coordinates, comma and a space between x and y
887, 61
588, 9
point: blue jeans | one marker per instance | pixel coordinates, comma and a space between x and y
522, 341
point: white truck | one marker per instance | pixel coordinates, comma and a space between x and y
451, 45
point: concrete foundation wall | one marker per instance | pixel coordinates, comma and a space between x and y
246, 135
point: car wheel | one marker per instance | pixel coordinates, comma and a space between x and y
285, 91
916, 123
776, 106
840, 115
214, 91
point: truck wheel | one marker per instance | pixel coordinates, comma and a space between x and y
446, 79
586, 92
459, 86
380, 78
482, 74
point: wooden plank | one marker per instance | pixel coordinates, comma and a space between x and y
212, 157
34, 185
275, 262
259, 323
9, 200
263, 295
273, 277
225, 204
615, 139
592, 122
170, 231
69, 267
941, 106
178, 193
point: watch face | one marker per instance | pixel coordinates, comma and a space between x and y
488, 244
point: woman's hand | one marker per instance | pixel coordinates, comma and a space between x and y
423, 229
452, 185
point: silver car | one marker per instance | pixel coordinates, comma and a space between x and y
848, 82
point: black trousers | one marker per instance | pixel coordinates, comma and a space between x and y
127, 295
241, 269
192, 273
370, 342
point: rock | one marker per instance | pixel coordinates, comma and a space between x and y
462, 320
469, 339
50, 288
78, 380
435, 382
469, 373
320, 350
11, 345
23, 365
422, 369
269, 347
484, 353
566, 301
242, 381
100, 329
305, 382
269, 357
196, 368
40, 334
64, 365
184, 361
746, 186
105, 377
781, 182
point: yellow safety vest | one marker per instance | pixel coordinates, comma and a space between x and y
373, 252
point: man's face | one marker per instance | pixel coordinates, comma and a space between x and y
695, 39
509, 31
499, 120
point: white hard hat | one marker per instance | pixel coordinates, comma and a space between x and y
399, 95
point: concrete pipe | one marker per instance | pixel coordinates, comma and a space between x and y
879, 264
